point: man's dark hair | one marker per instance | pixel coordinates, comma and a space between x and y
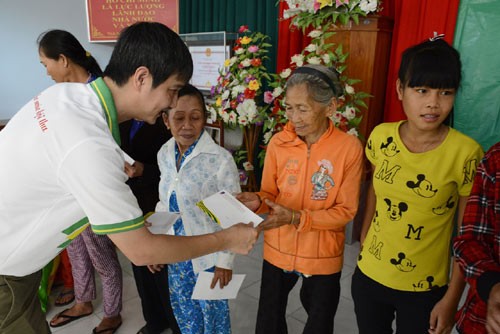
154, 46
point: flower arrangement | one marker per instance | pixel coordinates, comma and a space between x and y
348, 115
238, 92
316, 13
238, 97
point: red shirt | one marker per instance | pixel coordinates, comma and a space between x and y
477, 247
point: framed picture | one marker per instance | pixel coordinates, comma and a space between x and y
106, 18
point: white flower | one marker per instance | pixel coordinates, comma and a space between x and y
350, 112
285, 73
232, 60
247, 109
314, 60
224, 115
277, 91
353, 131
212, 115
337, 117
311, 48
368, 6
225, 95
237, 90
349, 89
239, 51
315, 33
326, 58
298, 59
246, 62
242, 120
232, 118
267, 137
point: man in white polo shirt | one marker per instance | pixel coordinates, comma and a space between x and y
62, 169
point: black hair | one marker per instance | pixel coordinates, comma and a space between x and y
153, 45
190, 90
434, 64
54, 43
322, 82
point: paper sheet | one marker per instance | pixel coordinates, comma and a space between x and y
202, 288
162, 221
226, 210
128, 158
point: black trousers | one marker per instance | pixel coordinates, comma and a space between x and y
155, 299
376, 306
319, 294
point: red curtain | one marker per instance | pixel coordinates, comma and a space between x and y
290, 40
414, 21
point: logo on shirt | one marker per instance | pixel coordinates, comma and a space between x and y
425, 284
422, 187
444, 208
322, 181
389, 148
395, 211
402, 263
469, 171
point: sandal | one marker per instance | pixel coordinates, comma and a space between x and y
68, 318
62, 295
105, 330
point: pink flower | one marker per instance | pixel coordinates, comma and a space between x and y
243, 28
253, 48
268, 97
339, 3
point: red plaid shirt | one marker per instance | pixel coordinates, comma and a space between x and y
477, 247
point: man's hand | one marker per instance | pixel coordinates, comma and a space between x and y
222, 275
493, 313
240, 238
134, 170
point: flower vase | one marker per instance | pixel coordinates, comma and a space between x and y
250, 138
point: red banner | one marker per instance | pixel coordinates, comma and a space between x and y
106, 18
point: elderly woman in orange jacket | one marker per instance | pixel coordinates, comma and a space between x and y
310, 188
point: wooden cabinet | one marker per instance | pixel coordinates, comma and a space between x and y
368, 44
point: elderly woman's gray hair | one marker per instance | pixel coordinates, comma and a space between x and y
322, 82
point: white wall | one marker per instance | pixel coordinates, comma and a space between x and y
21, 22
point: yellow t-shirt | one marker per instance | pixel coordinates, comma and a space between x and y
408, 244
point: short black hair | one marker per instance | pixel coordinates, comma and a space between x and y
153, 45
433, 64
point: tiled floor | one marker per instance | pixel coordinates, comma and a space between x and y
243, 309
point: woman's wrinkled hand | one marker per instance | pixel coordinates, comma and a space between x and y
223, 276
278, 216
249, 199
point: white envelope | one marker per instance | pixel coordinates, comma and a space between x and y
202, 288
226, 210
162, 221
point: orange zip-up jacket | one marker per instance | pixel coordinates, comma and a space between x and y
323, 183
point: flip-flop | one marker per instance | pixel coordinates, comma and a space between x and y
69, 318
64, 294
109, 329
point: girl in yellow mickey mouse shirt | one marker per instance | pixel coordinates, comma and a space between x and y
422, 172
